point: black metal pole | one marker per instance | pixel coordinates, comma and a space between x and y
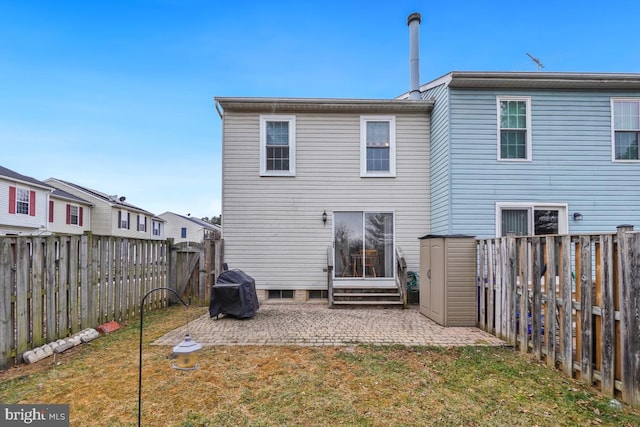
140, 351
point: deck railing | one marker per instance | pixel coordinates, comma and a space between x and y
571, 301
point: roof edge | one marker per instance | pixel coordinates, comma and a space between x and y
321, 104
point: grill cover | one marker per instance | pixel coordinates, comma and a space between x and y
234, 294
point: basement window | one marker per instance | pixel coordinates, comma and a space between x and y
280, 294
319, 294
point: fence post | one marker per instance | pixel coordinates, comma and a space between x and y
629, 264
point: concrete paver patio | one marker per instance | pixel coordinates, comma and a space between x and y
318, 325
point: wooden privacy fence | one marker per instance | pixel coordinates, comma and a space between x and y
193, 267
54, 286
572, 301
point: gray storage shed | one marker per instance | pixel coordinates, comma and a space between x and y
448, 293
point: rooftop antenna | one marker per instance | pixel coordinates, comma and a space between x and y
536, 60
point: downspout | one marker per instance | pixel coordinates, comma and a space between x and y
413, 21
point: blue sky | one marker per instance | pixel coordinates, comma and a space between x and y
118, 95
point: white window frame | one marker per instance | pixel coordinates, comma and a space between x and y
373, 281
291, 119
363, 147
23, 201
562, 208
155, 225
613, 131
124, 220
71, 216
528, 133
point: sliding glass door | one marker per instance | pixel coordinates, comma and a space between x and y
363, 243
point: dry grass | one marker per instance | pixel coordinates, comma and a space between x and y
305, 386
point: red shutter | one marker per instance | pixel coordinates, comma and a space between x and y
12, 200
80, 216
32, 203
50, 210
68, 213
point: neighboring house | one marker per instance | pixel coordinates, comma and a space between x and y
534, 153
24, 204
304, 179
112, 216
187, 229
68, 214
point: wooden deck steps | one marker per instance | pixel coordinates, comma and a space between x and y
366, 296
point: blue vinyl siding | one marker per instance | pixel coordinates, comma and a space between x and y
440, 161
571, 162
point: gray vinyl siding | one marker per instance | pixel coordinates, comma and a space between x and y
440, 161
571, 162
272, 226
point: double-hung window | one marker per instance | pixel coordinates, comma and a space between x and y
156, 228
625, 129
514, 128
277, 145
377, 146
22, 201
123, 219
74, 215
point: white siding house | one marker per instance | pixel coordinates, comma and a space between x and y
68, 214
23, 204
308, 178
111, 215
182, 228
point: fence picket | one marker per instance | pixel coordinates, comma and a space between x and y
586, 307
607, 344
566, 319
491, 319
536, 312
63, 288
22, 301
37, 299
482, 292
551, 309
6, 290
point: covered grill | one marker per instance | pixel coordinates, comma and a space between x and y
234, 294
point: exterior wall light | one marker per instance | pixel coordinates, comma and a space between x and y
324, 218
577, 216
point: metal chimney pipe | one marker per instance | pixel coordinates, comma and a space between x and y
413, 21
